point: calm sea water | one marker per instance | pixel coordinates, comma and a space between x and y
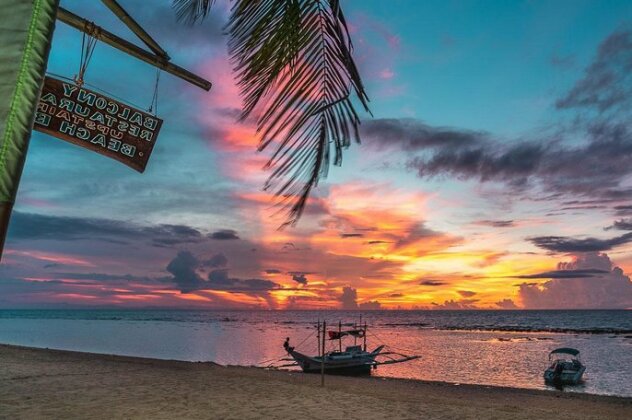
508, 348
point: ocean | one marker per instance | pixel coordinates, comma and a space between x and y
506, 348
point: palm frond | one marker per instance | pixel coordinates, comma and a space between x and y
192, 11
294, 58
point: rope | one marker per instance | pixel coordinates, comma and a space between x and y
154, 100
88, 42
282, 357
306, 338
98, 89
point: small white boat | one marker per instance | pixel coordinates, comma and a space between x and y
565, 368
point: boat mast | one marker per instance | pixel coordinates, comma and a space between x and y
364, 335
340, 336
318, 338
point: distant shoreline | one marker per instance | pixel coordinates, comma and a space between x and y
65, 384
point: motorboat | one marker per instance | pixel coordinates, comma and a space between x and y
565, 367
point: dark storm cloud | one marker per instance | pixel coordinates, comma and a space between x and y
589, 157
432, 283
413, 135
515, 163
173, 230
371, 305
379, 242
551, 164
105, 277
184, 269
31, 226
220, 280
606, 82
572, 245
457, 304
623, 210
563, 62
299, 278
607, 288
349, 298
224, 235
216, 261
623, 224
564, 274
496, 223
418, 232
506, 304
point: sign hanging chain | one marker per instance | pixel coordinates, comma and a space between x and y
153, 107
88, 42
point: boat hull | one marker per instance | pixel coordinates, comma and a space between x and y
570, 377
356, 365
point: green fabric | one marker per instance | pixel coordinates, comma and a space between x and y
26, 30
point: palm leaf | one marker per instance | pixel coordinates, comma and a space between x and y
293, 64
192, 11
295, 56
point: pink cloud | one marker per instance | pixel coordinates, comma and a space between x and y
50, 257
610, 290
386, 74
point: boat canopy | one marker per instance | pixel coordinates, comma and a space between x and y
565, 350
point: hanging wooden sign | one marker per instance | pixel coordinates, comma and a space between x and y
96, 122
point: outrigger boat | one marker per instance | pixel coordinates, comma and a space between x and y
354, 359
566, 368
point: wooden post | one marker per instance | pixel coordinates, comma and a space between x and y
135, 27
119, 43
322, 357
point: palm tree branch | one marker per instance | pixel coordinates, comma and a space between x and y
191, 11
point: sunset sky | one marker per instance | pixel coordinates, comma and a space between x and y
496, 172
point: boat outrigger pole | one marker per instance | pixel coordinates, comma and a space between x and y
364, 335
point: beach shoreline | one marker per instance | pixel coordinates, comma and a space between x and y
46, 383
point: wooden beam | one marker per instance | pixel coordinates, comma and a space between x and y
135, 27
121, 44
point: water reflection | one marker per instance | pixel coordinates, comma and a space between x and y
515, 359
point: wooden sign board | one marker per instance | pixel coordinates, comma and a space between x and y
96, 122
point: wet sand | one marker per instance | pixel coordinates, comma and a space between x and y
38, 383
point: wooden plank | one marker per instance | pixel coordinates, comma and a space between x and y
121, 44
129, 21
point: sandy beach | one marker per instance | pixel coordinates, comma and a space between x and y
38, 383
